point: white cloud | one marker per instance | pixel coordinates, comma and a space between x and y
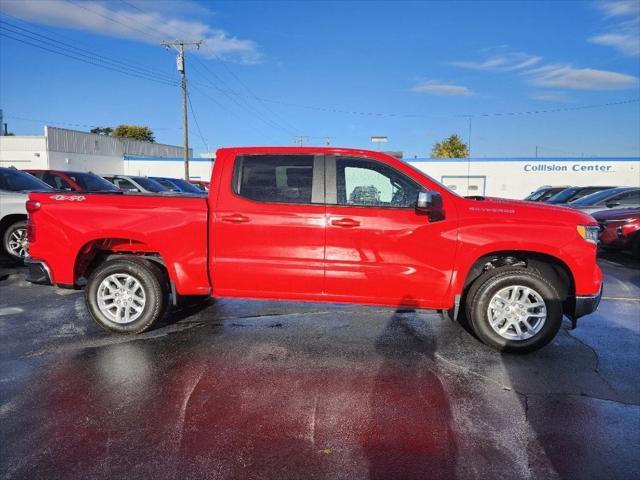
624, 32
504, 62
433, 87
148, 26
565, 76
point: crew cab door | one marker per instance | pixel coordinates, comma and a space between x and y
379, 248
269, 227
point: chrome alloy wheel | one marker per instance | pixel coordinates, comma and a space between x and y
121, 298
18, 243
517, 312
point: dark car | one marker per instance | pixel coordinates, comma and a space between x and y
572, 194
544, 193
621, 197
178, 185
73, 181
620, 229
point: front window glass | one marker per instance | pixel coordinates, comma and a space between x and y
92, 183
596, 198
563, 196
368, 183
17, 181
150, 185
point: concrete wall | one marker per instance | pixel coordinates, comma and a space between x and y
23, 152
516, 178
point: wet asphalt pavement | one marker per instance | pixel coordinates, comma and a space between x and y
275, 390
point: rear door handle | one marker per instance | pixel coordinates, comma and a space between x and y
345, 222
235, 218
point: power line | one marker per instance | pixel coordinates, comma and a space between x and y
91, 62
81, 125
195, 120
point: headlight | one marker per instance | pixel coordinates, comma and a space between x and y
589, 232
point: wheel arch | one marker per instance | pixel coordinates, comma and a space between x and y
10, 220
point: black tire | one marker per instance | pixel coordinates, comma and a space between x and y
487, 285
6, 238
635, 247
152, 281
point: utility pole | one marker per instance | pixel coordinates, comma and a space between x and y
180, 62
301, 139
536, 151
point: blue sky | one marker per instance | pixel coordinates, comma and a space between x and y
348, 70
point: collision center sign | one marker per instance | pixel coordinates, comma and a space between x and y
574, 167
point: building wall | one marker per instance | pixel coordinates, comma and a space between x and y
23, 152
517, 177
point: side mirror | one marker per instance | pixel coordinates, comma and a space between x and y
612, 204
430, 203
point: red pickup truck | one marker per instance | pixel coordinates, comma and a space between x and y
322, 224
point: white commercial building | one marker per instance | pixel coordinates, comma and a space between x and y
71, 150
518, 177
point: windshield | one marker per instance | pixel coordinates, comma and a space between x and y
597, 197
186, 186
166, 183
150, 185
92, 183
17, 181
537, 194
563, 196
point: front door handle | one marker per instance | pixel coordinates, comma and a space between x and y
345, 222
235, 218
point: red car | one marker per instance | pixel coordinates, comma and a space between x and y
73, 181
323, 224
620, 229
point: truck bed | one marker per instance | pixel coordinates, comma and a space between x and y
72, 229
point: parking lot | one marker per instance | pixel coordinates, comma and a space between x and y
249, 389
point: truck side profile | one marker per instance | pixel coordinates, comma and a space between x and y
322, 224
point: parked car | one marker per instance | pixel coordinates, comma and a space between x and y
573, 193
201, 184
128, 183
73, 181
620, 229
14, 186
621, 197
278, 228
544, 193
178, 185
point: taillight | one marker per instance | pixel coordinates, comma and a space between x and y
31, 230
33, 205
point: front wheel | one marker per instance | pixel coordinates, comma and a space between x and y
515, 310
126, 295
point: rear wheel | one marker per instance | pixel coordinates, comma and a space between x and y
15, 240
514, 310
126, 295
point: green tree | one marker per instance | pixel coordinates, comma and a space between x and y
134, 132
107, 131
452, 147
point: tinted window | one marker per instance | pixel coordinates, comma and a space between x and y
125, 185
166, 184
369, 183
91, 183
538, 194
598, 197
150, 185
275, 178
186, 186
57, 182
630, 198
563, 196
17, 181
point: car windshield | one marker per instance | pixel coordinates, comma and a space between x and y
92, 183
17, 181
166, 183
186, 186
563, 196
150, 185
537, 194
597, 197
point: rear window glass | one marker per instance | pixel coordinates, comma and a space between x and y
275, 178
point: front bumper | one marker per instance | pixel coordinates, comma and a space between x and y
584, 305
38, 272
